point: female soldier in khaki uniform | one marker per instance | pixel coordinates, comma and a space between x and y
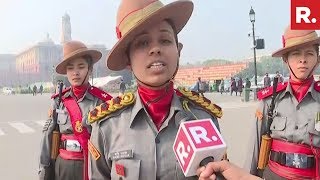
133, 135
76, 102
295, 129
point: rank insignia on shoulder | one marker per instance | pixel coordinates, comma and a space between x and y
110, 107
99, 93
267, 92
202, 101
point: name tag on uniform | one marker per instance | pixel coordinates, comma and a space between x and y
317, 122
126, 154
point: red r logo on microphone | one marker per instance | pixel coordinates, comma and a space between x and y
203, 134
183, 149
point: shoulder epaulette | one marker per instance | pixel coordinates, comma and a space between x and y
201, 101
267, 92
99, 93
63, 92
317, 86
113, 105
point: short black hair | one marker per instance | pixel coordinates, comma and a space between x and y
89, 60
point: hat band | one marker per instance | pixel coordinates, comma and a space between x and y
72, 53
298, 40
133, 18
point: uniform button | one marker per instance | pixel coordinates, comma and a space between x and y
298, 107
120, 178
157, 140
274, 127
296, 127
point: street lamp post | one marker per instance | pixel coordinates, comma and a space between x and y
252, 19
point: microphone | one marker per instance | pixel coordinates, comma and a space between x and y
197, 143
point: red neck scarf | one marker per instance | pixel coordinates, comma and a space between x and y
157, 102
79, 91
300, 88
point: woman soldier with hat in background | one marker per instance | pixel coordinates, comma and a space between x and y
71, 115
133, 134
290, 123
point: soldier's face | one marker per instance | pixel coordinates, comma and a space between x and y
302, 61
77, 71
154, 54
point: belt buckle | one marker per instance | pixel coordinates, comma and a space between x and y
73, 145
297, 160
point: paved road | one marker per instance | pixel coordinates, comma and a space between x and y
23, 117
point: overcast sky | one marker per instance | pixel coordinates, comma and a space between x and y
217, 29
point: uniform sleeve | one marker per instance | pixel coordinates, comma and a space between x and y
99, 165
45, 143
255, 138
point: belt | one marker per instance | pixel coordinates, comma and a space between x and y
291, 160
294, 160
71, 145
70, 148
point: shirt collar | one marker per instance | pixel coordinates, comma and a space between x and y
288, 90
86, 95
138, 106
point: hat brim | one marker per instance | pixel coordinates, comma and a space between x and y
282, 51
117, 58
96, 56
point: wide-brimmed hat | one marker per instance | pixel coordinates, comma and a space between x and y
136, 15
293, 39
75, 49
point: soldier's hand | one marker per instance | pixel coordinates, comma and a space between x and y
227, 169
41, 174
46, 173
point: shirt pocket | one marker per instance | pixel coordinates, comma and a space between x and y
62, 118
278, 127
130, 168
278, 124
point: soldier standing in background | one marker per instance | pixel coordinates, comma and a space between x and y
70, 117
287, 138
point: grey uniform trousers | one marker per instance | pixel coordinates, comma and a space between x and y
68, 169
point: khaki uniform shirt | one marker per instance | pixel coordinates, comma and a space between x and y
293, 121
133, 131
86, 103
